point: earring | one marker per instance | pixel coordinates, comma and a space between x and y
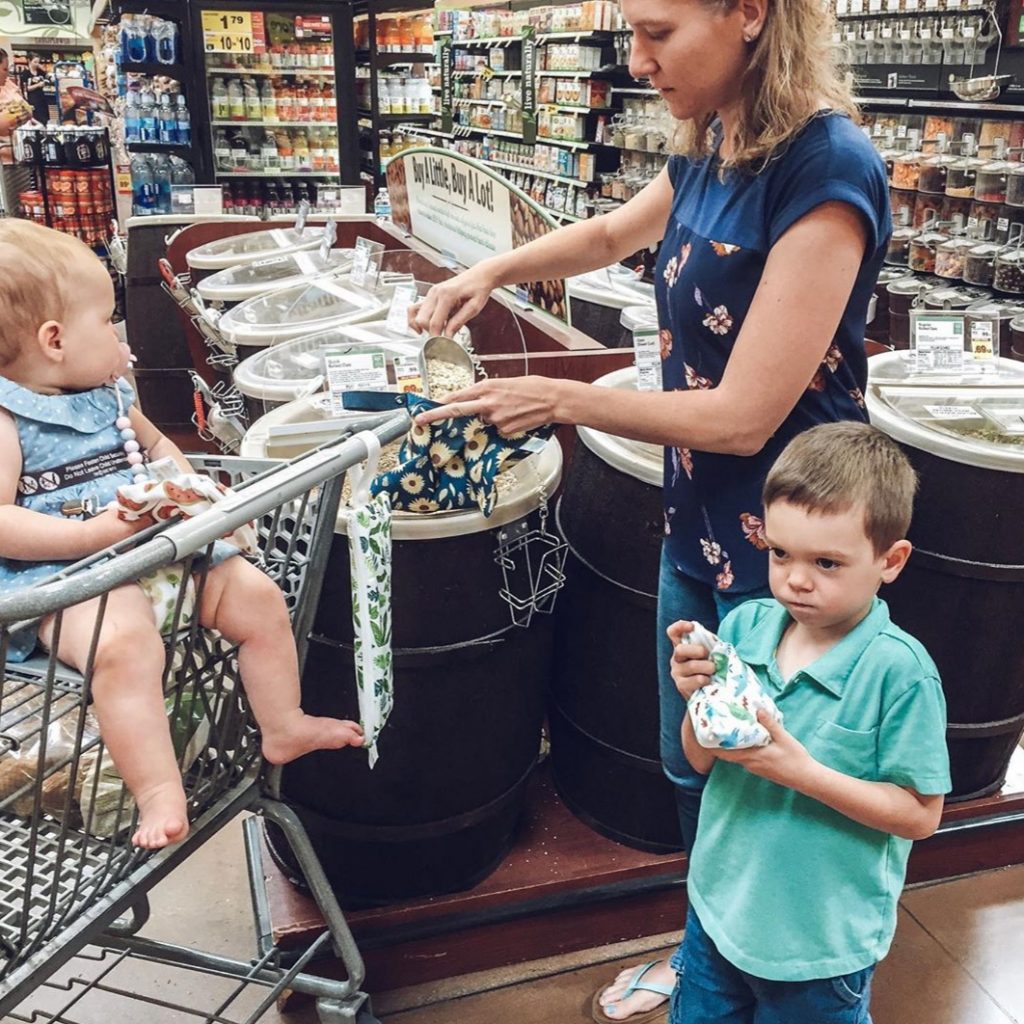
749, 37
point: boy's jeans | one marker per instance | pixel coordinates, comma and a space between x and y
710, 990
682, 597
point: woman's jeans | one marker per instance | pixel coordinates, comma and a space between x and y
683, 597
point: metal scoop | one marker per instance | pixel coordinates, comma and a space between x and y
446, 350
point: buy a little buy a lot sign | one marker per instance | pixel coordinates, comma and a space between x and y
462, 209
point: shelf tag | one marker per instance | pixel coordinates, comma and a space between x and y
366, 260
405, 295
647, 355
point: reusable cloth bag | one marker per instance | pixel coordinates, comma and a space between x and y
724, 713
369, 550
449, 465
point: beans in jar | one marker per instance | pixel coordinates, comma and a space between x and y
980, 264
1009, 273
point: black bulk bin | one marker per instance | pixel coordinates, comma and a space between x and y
603, 702
963, 588
439, 810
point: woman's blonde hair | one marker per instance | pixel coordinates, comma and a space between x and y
794, 71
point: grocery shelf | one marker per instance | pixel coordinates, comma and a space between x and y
274, 72
277, 174
494, 74
152, 68
526, 169
597, 35
488, 41
571, 143
273, 124
541, 73
575, 109
479, 103
422, 57
416, 129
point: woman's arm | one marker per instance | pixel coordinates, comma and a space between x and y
588, 245
803, 293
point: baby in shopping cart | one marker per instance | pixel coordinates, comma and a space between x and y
68, 428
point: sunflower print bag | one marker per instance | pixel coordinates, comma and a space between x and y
449, 465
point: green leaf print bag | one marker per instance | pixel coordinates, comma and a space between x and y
368, 524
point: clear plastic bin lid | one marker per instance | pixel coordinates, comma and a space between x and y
282, 373
247, 248
634, 317
245, 280
301, 309
638, 459
971, 420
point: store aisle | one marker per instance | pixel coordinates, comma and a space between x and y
956, 960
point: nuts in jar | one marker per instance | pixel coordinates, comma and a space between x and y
906, 170
950, 256
1009, 274
922, 251
980, 264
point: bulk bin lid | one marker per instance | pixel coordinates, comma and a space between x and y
970, 420
243, 281
282, 373
301, 309
541, 470
638, 459
256, 245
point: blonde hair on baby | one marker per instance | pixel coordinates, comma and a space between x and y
36, 280
835, 467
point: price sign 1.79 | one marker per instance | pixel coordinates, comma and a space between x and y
227, 32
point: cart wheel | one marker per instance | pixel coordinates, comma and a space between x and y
335, 1011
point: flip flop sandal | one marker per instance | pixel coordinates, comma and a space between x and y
636, 984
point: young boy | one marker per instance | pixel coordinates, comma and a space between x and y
802, 845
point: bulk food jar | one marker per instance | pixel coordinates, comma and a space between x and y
980, 264
903, 294
950, 256
1015, 186
1004, 311
1009, 273
899, 245
923, 249
932, 178
962, 175
906, 169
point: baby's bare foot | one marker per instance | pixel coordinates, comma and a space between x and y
285, 741
163, 816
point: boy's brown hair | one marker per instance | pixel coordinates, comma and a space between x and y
37, 280
835, 466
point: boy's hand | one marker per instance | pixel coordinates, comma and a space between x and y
689, 665
784, 761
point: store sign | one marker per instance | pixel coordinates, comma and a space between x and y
447, 105
46, 12
529, 86
457, 205
228, 32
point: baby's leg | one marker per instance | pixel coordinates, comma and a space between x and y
127, 698
248, 608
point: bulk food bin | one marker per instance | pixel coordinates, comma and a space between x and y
603, 705
253, 246
293, 369
963, 588
302, 309
246, 280
597, 298
438, 811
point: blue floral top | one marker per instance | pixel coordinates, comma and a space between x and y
712, 257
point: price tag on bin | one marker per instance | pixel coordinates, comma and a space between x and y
647, 354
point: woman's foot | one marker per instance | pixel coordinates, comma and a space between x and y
627, 996
163, 816
301, 733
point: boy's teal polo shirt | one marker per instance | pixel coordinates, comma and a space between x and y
787, 888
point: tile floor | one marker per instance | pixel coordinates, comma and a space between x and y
958, 958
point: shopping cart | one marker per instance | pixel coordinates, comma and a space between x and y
69, 876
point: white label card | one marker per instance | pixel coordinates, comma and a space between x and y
951, 412
366, 263
647, 353
404, 296
362, 370
938, 342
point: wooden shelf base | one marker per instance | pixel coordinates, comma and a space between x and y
564, 888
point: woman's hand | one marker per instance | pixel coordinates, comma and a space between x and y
451, 304
512, 404
689, 665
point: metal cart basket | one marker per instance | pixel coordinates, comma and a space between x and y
69, 875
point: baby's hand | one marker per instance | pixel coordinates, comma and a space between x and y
689, 665
108, 528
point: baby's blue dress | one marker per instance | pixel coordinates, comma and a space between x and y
55, 431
